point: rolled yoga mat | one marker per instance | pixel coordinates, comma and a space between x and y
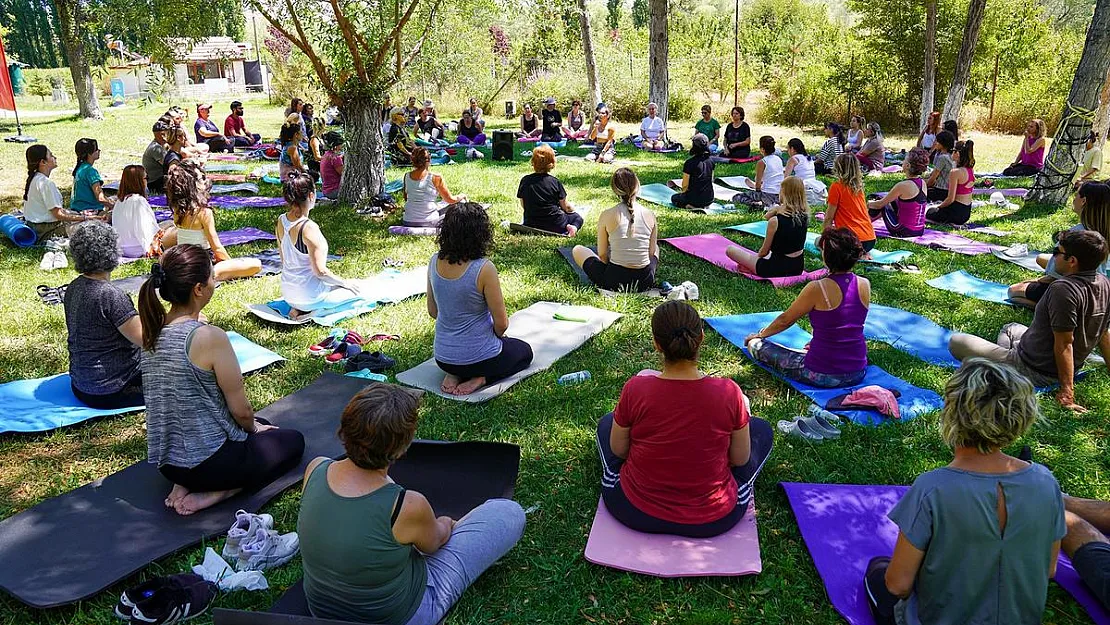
20, 233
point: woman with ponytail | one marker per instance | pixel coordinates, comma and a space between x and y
201, 429
42, 201
88, 191
697, 176
956, 207
627, 241
681, 451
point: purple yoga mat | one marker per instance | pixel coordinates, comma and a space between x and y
229, 238
845, 525
1007, 192
711, 247
229, 201
942, 240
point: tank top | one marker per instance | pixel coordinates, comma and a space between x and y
772, 174
300, 286
464, 325
838, 345
576, 121
927, 140
855, 138
803, 167
790, 238
967, 187
911, 213
188, 236
630, 251
354, 568
528, 125
283, 157
420, 207
187, 418
1034, 158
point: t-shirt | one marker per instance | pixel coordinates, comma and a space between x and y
153, 158
83, 181
330, 174
101, 360
829, 151
42, 197
708, 128
136, 225
1092, 159
542, 194
943, 163
1078, 303
972, 572
171, 158
678, 467
700, 170
652, 127
550, 118
851, 211
206, 124
736, 134
234, 125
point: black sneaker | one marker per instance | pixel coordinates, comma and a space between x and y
376, 362
179, 598
132, 596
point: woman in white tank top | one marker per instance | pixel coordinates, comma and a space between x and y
627, 241
422, 192
307, 284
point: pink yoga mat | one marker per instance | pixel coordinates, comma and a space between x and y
845, 525
733, 553
711, 247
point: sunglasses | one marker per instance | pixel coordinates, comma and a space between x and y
1059, 251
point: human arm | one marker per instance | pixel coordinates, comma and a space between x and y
295, 156
418, 525
772, 229
63, 214
1053, 558
620, 440
441, 188
760, 167
790, 162
603, 238
211, 350
314, 145
653, 244
490, 286
205, 132
685, 182
643, 128
610, 135
740, 447
98, 193
132, 330
1063, 353
433, 310
801, 306
833, 204
904, 564
1038, 144
318, 256
208, 222
890, 196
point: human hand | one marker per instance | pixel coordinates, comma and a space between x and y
1066, 398
751, 337
262, 427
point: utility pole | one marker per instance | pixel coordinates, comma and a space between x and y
736, 58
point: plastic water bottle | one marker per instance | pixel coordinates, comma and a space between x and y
574, 378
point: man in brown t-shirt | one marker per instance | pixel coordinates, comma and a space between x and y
1068, 323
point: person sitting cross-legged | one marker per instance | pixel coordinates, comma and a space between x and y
1068, 323
207, 131
422, 190
697, 176
782, 253
235, 129
653, 129
1088, 522
978, 538
681, 452
837, 309
375, 552
906, 218
544, 199
627, 241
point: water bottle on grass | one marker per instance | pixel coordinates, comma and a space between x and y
574, 378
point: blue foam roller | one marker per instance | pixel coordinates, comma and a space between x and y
20, 233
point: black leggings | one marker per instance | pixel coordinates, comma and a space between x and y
780, 266
762, 439
1020, 170
130, 396
515, 357
615, 277
880, 601
249, 464
936, 195
685, 200
955, 213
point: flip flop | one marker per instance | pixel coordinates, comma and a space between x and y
800, 430
390, 262
384, 337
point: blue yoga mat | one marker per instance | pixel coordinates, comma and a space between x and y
394, 186
661, 194
20, 233
48, 403
964, 283
910, 333
913, 402
555, 145
878, 257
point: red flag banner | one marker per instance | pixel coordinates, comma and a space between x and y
7, 95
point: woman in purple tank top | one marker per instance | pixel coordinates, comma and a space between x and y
837, 307
906, 218
1030, 158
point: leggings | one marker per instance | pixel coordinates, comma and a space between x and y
955, 213
131, 395
791, 363
936, 195
240, 141
890, 220
762, 440
255, 462
683, 200
479, 139
1021, 170
515, 357
882, 603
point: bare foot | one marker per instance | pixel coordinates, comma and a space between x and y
470, 386
572, 230
295, 314
176, 495
450, 383
195, 502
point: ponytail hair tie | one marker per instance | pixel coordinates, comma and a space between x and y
157, 275
679, 333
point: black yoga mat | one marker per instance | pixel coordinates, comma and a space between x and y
565, 252
455, 477
75, 545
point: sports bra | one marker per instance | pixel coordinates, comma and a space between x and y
969, 186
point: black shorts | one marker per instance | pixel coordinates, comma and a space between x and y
779, 266
613, 277
868, 245
955, 213
1092, 562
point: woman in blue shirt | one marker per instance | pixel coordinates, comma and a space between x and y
88, 192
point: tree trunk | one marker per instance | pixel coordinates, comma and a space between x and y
364, 164
658, 50
71, 18
588, 51
1102, 118
1054, 182
929, 79
956, 91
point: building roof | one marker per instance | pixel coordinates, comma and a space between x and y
210, 49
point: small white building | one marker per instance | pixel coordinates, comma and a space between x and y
211, 67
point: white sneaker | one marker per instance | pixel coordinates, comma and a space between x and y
267, 550
242, 531
692, 292
60, 260
47, 262
679, 292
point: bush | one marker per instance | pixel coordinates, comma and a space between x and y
59, 78
565, 86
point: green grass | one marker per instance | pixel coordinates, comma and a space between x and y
545, 579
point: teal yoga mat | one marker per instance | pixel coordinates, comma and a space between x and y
968, 285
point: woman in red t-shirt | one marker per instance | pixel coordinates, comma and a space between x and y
681, 452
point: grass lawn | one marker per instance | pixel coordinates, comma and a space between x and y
545, 579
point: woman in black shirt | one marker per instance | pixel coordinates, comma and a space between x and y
784, 246
544, 199
738, 136
697, 176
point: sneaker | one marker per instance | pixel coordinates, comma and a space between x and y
47, 262
679, 292
177, 599
692, 292
376, 362
60, 260
132, 596
244, 528
267, 550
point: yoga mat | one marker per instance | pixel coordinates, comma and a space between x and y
229, 201
271, 266
711, 247
1021, 256
553, 145
522, 229
225, 157
227, 238
565, 252
909, 333
941, 241
240, 186
20, 233
1011, 192
455, 478
75, 545
223, 167
387, 287
44, 404
971, 227
845, 525
913, 402
878, 257
720, 193
968, 285
661, 194
228, 178
743, 183
736, 552
409, 230
271, 179
550, 339
394, 186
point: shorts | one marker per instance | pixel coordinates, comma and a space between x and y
613, 277
955, 213
779, 266
1092, 562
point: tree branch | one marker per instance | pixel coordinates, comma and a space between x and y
348, 35
419, 43
387, 43
302, 44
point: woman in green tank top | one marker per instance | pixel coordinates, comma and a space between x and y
374, 552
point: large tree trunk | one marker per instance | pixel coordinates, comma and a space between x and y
658, 51
71, 18
1054, 182
588, 51
1102, 118
956, 91
364, 164
929, 79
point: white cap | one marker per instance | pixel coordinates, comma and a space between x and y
998, 198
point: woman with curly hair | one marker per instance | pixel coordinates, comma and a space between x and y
906, 218
464, 297
187, 196
104, 331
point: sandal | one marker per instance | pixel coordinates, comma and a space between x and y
390, 262
51, 295
384, 337
344, 351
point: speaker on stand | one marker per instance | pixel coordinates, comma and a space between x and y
503, 141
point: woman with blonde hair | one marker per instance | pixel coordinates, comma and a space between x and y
627, 241
544, 199
847, 206
978, 539
784, 245
1030, 158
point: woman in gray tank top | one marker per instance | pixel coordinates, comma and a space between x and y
464, 297
201, 429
